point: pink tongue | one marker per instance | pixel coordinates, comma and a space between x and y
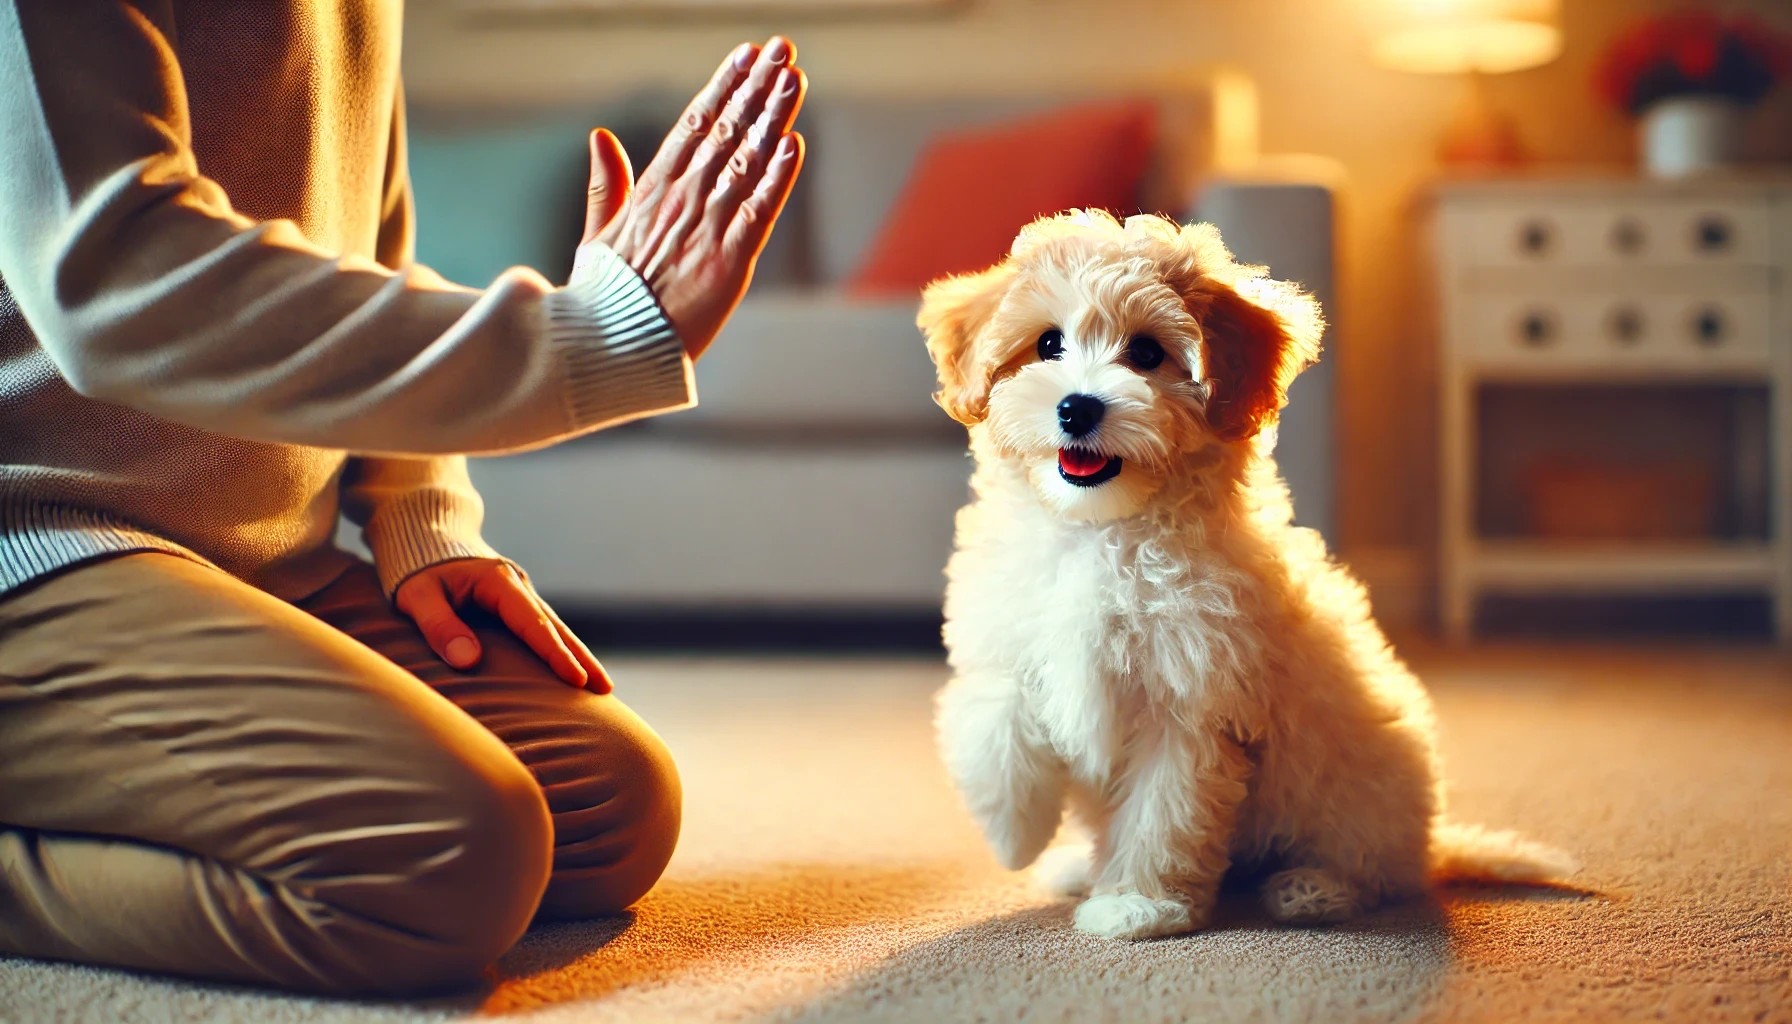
1077, 462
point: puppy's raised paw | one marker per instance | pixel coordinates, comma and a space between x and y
1309, 896
1066, 870
1129, 915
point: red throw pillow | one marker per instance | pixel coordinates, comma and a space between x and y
972, 191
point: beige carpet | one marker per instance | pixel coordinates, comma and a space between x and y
827, 874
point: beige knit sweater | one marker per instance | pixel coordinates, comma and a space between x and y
212, 338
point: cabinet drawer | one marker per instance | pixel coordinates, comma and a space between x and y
1620, 332
1661, 232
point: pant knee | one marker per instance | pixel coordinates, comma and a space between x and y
609, 856
507, 844
465, 889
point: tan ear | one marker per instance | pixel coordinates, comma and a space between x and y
1252, 350
954, 312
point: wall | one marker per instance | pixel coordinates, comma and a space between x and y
1318, 94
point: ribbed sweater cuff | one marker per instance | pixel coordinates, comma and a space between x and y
624, 359
419, 531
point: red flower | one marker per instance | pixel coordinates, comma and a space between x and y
1692, 52
1696, 56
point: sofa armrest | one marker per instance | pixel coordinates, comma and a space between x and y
1278, 214
1284, 221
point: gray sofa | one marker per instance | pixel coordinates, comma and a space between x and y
816, 474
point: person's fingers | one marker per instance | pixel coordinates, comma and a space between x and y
692, 127
746, 234
598, 679
611, 180
505, 595
663, 241
592, 675
748, 164
654, 230
426, 601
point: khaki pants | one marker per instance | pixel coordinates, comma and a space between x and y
196, 777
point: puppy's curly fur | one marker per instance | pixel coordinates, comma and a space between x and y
1159, 648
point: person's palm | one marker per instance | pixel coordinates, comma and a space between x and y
696, 221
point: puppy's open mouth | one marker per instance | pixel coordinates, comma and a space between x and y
1086, 468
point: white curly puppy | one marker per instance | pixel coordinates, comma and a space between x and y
1135, 627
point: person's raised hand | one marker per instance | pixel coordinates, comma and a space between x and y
695, 222
433, 596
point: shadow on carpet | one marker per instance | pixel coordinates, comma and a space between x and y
1031, 965
807, 922
690, 929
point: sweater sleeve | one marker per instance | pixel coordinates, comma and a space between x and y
414, 513
148, 290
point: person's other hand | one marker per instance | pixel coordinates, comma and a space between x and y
694, 225
432, 597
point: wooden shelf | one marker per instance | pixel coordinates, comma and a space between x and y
1566, 566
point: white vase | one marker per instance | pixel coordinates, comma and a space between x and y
1690, 134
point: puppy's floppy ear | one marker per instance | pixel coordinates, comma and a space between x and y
954, 311
1252, 346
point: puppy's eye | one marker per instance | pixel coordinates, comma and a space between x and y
1144, 353
1051, 345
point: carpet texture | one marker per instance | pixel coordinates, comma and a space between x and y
827, 874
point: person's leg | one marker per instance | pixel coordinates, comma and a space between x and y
608, 778
198, 778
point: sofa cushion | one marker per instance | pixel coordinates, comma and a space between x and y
862, 153
638, 519
862, 149
972, 190
818, 361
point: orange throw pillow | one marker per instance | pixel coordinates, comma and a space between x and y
972, 191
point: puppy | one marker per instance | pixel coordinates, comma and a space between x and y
1136, 629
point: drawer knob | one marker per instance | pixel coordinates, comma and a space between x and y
1712, 233
1626, 325
1535, 237
1537, 328
1709, 327
1629, 236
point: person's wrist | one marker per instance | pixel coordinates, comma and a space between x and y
623, 355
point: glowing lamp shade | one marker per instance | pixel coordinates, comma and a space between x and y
1490, 37
1472, 38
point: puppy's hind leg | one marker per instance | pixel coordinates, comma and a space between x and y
1009, 778
1309, 895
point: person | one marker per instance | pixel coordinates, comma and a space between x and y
228, 749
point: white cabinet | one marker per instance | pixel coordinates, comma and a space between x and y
1580, 229
1552, 327
1612, 282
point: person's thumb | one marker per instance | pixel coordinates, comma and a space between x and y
611, 180
424, 600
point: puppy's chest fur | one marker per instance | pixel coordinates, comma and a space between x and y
1108, 628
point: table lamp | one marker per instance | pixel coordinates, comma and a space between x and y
1472, 38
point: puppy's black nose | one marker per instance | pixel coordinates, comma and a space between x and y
1079, 414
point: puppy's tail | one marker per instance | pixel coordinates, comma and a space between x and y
1470, 853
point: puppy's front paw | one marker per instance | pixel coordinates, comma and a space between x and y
1309, 896
1129, 915
1016, 841
1066, 870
